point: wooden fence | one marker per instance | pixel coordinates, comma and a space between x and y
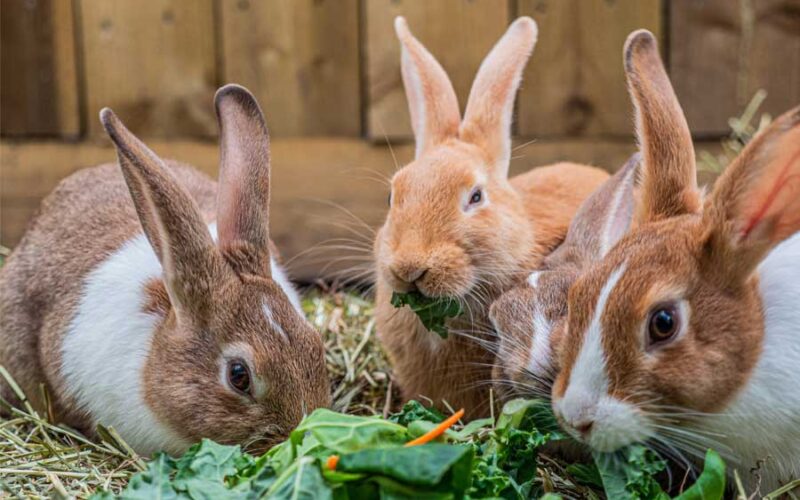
327, 75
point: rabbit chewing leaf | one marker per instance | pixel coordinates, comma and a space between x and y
431, 311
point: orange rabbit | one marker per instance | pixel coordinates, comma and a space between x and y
457, 226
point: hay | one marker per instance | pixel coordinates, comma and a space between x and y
41, 460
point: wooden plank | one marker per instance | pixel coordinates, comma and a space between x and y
722, 52
300, 58
317, 183
38, 81
466, 32
152, 62
575, 83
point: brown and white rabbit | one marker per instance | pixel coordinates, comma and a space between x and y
125, 303
687, 332
531, 318
457, 226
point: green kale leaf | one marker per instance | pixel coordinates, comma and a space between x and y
432, 312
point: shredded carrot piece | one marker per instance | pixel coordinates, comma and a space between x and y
429, 436
438, 430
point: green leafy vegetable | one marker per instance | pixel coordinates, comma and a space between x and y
432, 311
414, 410
302, 480
340, 433
434, 466
711, 483
483, 459
630, 473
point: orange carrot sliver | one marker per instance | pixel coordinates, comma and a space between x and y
429, 436
438, 430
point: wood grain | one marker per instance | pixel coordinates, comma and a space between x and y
575, 83
722, 52
38, 80
300, 58
152, 62
458, 33
323, 189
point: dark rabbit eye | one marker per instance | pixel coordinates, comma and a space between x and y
389, 200
239, 376
663, 324
476, 197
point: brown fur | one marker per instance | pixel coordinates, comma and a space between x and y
428, 243
601, 220
210, 296
705, 259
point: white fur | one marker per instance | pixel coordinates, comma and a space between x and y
108, 341
764, 420
533, 278
540, 356
271, 319
586, 399
279, 275
619, 214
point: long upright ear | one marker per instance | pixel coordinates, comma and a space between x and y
170, 218
669, 180
487, 120
432, 102
605, 216
244, 170
756, 202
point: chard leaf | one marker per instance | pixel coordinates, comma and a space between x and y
302, 480
431, 311
435, 466
340, 433
711, 483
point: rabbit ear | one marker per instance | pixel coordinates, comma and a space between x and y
606, 215
170, 218
244, 172
432, 101
487, 120
756, 202
669, 182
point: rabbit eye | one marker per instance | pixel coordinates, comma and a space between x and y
476, 197
663, 324
389, 200
239, 376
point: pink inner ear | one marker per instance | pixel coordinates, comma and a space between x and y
776, 199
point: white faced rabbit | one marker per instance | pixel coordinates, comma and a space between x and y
457, 226
531, 318
123, 301
687, 332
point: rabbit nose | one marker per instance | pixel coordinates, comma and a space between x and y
409, 274
584, 427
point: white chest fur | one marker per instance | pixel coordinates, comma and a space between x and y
763, 423
108, 341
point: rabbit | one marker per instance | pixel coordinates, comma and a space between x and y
530, 319
457, 226
686, 332
145, 297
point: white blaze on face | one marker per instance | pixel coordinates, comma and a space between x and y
615, 423
540, 354
271, 319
